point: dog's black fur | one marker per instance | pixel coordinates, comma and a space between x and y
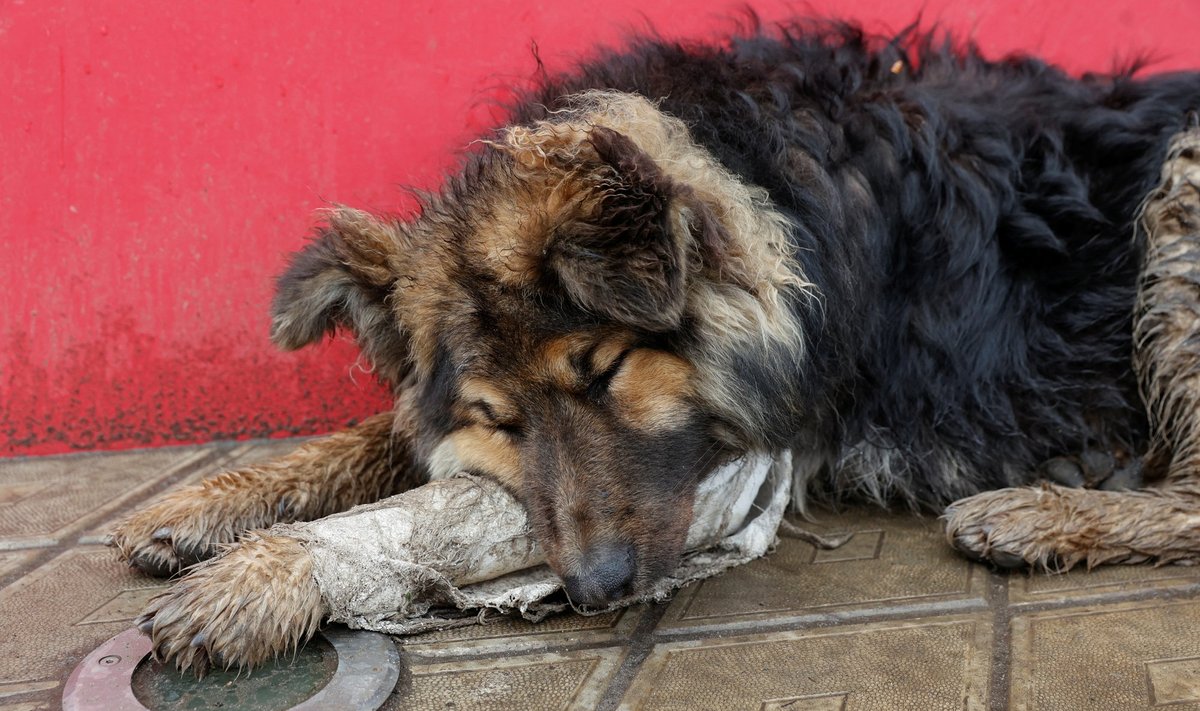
974, 316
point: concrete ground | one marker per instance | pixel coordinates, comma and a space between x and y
892, 620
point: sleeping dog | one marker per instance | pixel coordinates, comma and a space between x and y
915, 268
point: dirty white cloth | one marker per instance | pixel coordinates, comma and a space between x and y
453, 551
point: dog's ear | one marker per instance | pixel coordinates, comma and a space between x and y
628, 256
344, 277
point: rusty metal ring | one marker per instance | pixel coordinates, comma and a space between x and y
368, 666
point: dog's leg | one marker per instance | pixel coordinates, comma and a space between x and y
359, 465
1056, 527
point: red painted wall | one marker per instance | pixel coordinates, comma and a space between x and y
159, 159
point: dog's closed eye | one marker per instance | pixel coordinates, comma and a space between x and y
507, 424
598, 387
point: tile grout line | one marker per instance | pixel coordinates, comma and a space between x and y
642, 642
139, 496
551, 646
823, 620
213, 462
999, 670
213, 457
1182, 591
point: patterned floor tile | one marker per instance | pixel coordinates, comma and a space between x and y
44, 500
890, 561
24, 687
28, 706
60, 611
931, 664
570, 680
30, 696
228, 458
512, 635
1104, 658
11, 561
1104, 580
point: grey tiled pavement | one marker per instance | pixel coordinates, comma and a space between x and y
892, 620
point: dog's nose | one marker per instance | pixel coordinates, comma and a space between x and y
605, 574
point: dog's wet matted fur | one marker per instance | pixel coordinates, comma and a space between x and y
915, 268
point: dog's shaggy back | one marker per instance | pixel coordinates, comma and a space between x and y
967, 229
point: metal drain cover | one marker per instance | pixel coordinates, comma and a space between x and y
337, 669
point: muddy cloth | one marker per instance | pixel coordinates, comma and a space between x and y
457, 550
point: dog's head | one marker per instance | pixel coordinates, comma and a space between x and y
567, 317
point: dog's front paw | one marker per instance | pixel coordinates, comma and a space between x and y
1012, 528
187, 526
257, 600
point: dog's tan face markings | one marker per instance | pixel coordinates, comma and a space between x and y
647, 389
596, 431
644, 390
652, 390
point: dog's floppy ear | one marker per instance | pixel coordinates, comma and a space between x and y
342, 278
628, 258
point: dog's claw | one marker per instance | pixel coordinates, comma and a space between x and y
153, 564
162, 534
191, 553
1007, 561
967, 550
284, 509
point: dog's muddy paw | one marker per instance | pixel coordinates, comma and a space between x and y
254, 602
186, 527
1009, 528
167, 537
